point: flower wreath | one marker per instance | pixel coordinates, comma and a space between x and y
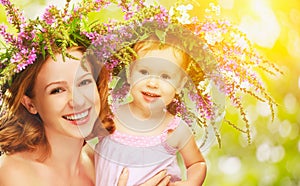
228, 58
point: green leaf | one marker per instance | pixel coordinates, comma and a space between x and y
161, 35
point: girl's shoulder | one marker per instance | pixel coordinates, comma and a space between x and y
180, 134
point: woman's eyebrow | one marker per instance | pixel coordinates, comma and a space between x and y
54, 83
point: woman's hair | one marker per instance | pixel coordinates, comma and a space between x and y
19, 129
102, 77
22, 131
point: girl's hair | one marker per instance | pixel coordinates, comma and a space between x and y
171, 41
22, 131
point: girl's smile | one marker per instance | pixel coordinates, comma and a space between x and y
150, 97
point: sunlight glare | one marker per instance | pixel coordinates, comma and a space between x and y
293, 43
262, 27
226, 4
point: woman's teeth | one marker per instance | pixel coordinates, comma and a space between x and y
77, 116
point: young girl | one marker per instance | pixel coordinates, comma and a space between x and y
148, 135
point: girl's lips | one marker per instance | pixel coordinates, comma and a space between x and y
150, 97
150, 94
79, 118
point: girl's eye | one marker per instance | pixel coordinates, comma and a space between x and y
144, 72
56, 91
165, 76
85, 82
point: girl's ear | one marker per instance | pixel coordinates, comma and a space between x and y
181, 85
28, 104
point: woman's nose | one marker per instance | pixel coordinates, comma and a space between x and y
76, 99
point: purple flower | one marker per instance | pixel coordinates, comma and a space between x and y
8, 38
5, 2
48, 16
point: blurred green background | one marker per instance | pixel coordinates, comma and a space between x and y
273, 157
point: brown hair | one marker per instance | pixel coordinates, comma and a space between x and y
22, 131
19, 129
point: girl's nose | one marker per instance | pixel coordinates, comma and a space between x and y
152, 82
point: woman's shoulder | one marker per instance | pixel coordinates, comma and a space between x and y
15, 170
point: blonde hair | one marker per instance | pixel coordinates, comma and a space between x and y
154, 43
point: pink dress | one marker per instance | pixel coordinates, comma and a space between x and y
144, 156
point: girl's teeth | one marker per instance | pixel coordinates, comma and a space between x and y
150, 94
77, 116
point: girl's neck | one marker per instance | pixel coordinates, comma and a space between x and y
145, 113
136, 121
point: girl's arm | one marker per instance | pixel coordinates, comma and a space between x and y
195, 164
183, 139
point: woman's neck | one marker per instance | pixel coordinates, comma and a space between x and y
65, 152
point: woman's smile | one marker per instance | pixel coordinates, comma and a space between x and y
79, 118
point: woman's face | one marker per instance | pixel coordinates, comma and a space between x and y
66, 97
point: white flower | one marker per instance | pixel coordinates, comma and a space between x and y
184, 8
184, 19
213, 37
171, 11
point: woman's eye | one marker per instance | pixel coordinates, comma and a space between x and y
144, 72
56, 91
85, 82
165, 76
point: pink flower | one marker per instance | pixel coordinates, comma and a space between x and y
48, 16
5, 2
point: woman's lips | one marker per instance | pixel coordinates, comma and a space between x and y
79, 118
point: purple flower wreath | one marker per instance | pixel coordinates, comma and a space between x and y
221, 54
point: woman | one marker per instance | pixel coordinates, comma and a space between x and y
50, 100
51, 108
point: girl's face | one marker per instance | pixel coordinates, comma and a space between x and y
156, 77
66, 97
